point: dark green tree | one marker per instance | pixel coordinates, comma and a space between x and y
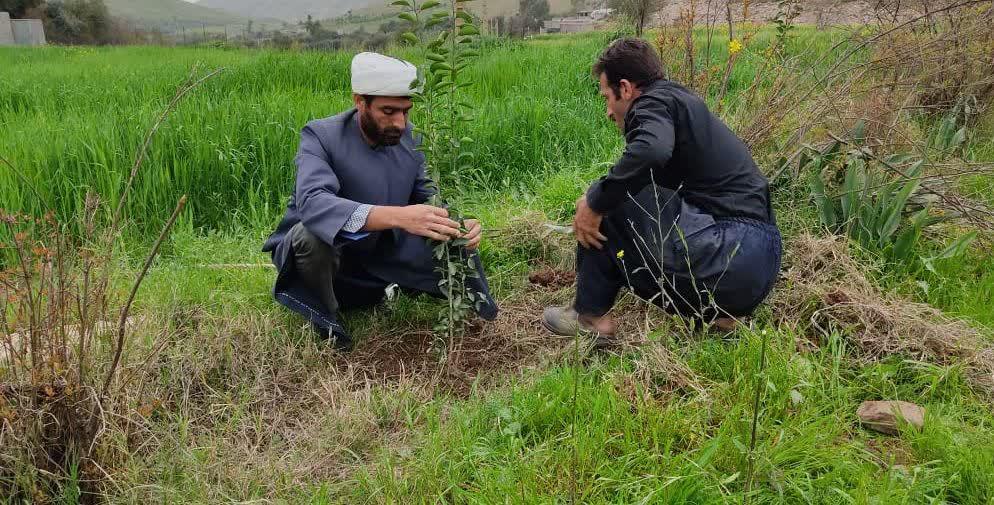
531, 14
18, 8
79, 22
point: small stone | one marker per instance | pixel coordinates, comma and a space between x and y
883, 416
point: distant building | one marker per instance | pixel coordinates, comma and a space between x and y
590, 15
551, 25
601, 14
21, 32
571, 25
6, 32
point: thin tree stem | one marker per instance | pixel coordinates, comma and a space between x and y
760, 384
122, 321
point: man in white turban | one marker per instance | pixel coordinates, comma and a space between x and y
358, 221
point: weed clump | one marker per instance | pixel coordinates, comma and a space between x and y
825, 289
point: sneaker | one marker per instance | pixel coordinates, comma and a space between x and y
564, 321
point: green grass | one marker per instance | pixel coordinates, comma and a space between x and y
682, 447
639, 433
255, 409
230, 145
240, 130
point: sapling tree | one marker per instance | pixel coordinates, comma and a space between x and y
447, 40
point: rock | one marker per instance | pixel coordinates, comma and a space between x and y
883, 416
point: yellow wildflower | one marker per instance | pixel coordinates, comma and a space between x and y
621, 254
734, 47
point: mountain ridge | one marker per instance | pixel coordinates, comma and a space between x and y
172, 12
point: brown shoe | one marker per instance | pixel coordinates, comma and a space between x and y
724, 325
565, 321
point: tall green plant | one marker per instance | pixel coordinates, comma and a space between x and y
873, 204
445, 114
787, 12
951, 133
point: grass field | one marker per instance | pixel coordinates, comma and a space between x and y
243, 405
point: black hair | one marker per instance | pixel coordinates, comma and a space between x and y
632, 59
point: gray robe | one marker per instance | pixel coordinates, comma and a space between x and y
336, 172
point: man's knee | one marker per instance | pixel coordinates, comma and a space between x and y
310, 246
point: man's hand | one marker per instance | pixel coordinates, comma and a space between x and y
422, 220
473, 234
587, 225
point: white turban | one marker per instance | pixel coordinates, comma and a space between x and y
378, 75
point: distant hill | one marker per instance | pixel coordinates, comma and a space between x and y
287, 10
295, 10
173, 12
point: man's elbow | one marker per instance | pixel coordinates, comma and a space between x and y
655, 155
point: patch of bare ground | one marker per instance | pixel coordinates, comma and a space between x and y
514, 341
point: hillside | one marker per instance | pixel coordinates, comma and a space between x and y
292, 10
288, 10
158, 12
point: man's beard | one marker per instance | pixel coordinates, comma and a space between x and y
389, 136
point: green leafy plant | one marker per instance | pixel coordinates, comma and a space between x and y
448, 40
951, 134
787, 12
874, 202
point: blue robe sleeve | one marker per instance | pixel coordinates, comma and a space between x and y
321, 210
424, 187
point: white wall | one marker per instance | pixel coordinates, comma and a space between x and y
6, 33
28, 32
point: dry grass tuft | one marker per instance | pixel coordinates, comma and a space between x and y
825, 289
663, 373
530, 234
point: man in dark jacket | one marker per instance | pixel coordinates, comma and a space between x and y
683, 219
358, 220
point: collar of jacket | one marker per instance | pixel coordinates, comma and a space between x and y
651, 91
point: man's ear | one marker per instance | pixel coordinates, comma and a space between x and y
358, 101
626, 89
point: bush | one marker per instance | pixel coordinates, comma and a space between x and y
875, 205
80, 22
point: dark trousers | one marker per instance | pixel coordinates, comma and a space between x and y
674, 255
321, 269
339, 284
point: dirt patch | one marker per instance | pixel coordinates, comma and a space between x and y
510, 343
552, 279
890, 452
